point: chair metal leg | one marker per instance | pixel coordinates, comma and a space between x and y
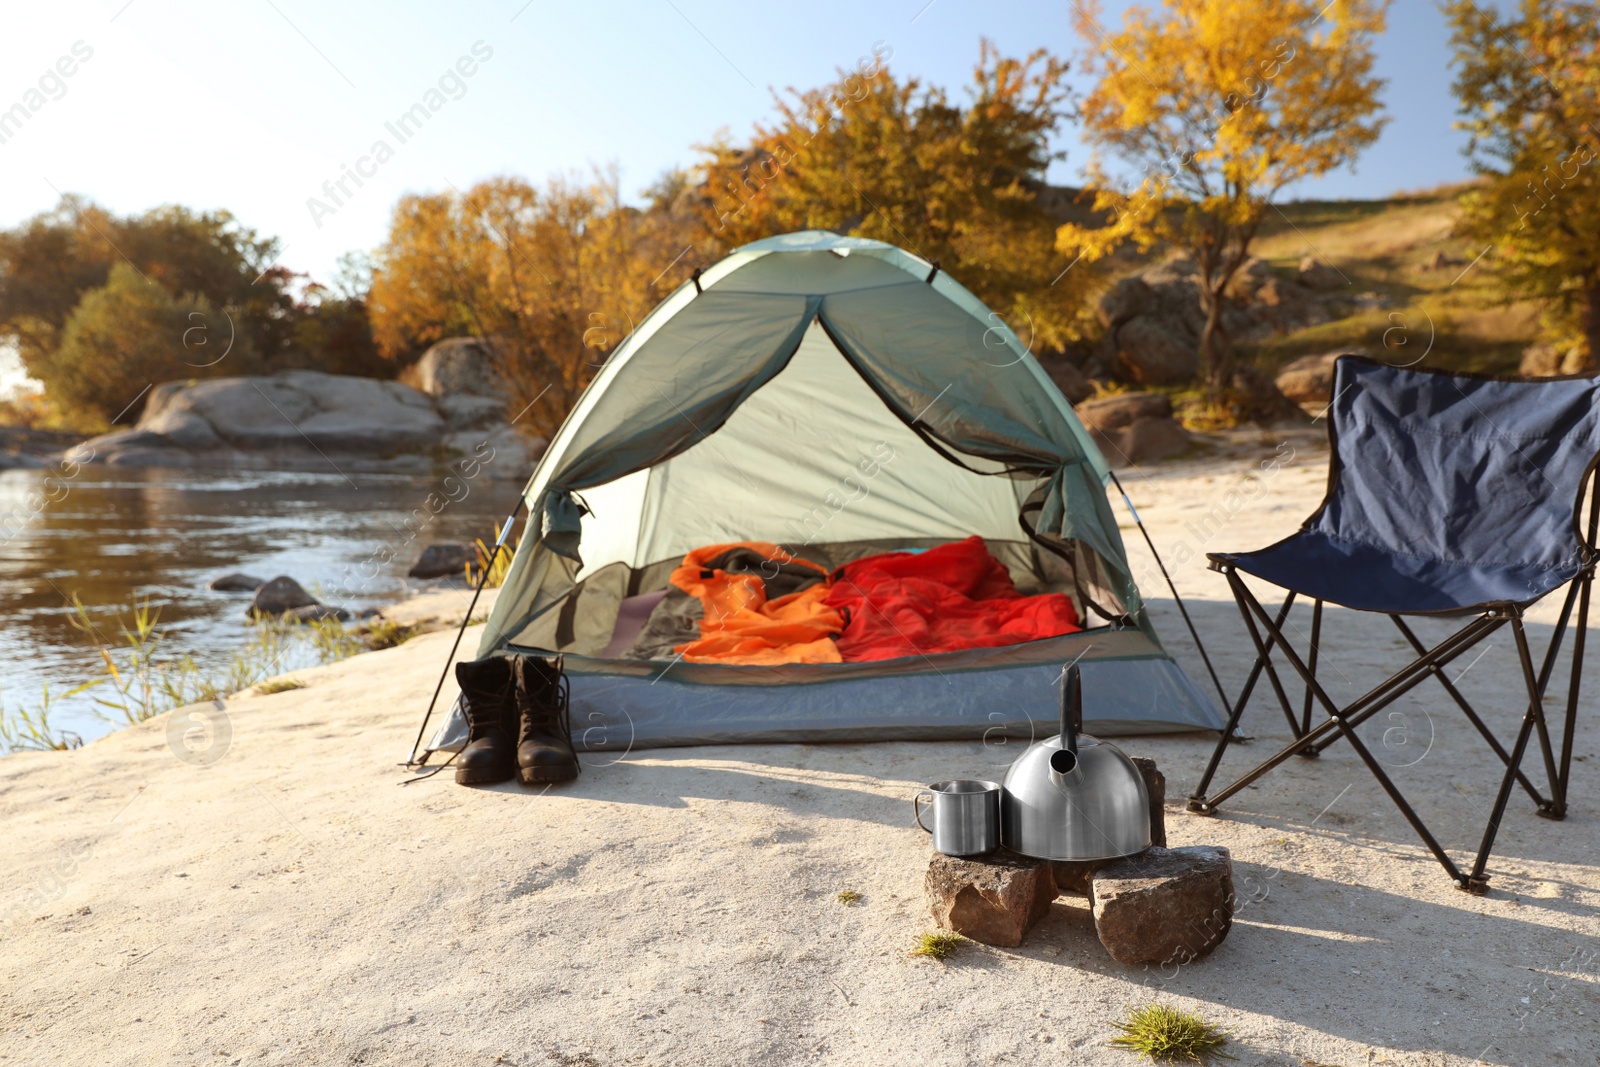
1580, 631
1409, 676
1357, 712
1266, 662
1262, 662
1337, 716
1477, 882
1316, 650
1471, 713
1372, 701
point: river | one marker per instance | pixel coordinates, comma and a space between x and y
118, 537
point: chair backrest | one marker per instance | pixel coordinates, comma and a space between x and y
1460, 468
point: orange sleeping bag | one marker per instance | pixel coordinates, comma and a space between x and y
741, 626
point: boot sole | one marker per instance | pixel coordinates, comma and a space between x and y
471, 776
546, 776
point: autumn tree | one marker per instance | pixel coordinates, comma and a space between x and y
54, 261
129, 333
50, 261
1215, 107
1529, 87
899, 161
550, 279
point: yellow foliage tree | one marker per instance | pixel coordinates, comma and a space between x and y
899, 161
550, 280
1217, 106
1529, 86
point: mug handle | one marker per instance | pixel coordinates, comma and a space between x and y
916, 810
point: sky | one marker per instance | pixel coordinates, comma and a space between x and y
252, 105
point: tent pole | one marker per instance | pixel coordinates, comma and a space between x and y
499, 542
1181, 608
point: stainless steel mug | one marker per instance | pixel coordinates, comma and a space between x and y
965, 816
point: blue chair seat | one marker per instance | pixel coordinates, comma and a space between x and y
1368, 578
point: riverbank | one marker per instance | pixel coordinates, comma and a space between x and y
290, 901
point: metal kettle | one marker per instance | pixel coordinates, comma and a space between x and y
1071, 797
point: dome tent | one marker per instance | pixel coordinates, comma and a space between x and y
838, 397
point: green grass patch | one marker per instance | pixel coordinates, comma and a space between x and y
1168, 1035
279, 685
382, 633
849, 898
937, 944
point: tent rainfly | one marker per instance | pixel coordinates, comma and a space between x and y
838, 397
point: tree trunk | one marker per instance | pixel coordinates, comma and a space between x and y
1589, 324
1215, 350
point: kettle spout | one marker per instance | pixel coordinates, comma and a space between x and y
1063, 762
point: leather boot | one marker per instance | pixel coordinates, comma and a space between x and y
488, 698
544, 743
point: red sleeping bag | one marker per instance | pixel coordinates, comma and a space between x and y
948, 598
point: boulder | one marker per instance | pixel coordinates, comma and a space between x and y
459, 365
1134, 427
239, 422
464, 411
443, 559
1258, 399
1069, 379
993, 899
1315, 274
279, 595
1167, 906
236, 583
1153, 350
1309, 379
1248, 280
1124, 409
501, 451
1127, 298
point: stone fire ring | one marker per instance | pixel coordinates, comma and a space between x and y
1162, 905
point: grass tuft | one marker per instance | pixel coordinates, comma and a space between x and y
849, 898
938, 944
498, 569
279, 685
1169, 1035
383, 633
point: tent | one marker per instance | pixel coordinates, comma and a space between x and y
839, 397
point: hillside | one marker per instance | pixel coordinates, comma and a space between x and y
1447, 315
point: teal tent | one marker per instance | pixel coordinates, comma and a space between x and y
839, 397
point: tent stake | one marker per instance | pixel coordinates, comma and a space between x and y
483, 577
1181, 608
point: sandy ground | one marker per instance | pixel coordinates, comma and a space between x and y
263, 889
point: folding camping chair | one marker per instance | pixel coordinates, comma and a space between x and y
1450, 495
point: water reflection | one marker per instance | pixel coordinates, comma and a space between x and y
116, 537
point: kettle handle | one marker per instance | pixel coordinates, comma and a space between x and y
916, 809
1065, 759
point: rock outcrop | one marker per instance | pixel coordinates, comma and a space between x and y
1153, 319
308, 419
1134, 427
438, 560
1309, 379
